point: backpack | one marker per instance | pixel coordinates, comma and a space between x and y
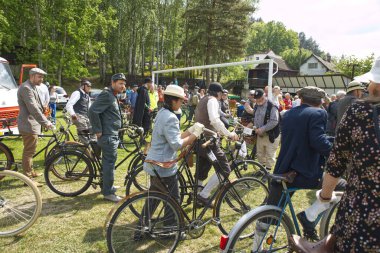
194, 100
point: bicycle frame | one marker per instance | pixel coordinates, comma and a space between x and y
215, 195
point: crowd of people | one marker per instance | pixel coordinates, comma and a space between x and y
302, 126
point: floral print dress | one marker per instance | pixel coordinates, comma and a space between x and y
357, 223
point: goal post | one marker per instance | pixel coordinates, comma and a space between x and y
271, 62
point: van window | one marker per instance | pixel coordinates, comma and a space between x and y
6, 78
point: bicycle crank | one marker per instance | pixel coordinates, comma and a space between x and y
196, 229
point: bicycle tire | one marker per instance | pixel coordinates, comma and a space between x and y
237, 199
79, 177
327, 220
250, 168
242, 239
6, 157
152, 233
139, 181
20, 203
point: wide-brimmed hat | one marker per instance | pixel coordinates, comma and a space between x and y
354, 85
37, 71
373, 75
175, 91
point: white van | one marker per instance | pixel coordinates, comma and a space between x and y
9, 108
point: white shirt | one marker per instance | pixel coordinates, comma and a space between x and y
43, 93
75, 96
214, 117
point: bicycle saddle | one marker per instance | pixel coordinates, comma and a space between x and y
301, 245
287, 177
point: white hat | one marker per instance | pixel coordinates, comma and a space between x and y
373, 75
354, 85
175, 91
37, 71
252, 92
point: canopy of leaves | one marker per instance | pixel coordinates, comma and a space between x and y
352, 66
295, 57
271, 36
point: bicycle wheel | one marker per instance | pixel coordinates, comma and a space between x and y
265, 231
250, 168
20, 203
6, 157
237, 199
69, 173
139, 180
328, 220
156, 229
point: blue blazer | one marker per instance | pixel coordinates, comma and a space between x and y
303, 143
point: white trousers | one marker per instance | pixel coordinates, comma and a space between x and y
266, 150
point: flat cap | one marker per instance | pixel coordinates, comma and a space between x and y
311, 92
118, 76
37, 71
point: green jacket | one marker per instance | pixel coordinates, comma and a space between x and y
105, 114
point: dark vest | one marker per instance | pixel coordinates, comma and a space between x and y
201, 113
81, 106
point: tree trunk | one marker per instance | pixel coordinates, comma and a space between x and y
61, 60
38, 26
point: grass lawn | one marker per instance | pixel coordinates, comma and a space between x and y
76, 224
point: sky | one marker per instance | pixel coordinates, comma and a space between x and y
349, 27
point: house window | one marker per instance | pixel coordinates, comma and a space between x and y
257, 58
313, 65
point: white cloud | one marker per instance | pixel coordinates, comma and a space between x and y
350, 27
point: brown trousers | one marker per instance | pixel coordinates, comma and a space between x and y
30, 145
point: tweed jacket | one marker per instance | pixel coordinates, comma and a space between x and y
30, 117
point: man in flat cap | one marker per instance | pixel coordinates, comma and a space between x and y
105, 118
303, 145
77, 107
30, 118
355, 91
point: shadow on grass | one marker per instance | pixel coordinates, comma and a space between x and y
94, 235
61, 205
212, 249
11, 240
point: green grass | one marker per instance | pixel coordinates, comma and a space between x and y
77, 224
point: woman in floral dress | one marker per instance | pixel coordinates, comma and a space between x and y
357, 224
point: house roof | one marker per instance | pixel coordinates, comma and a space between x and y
280, 62
330, 66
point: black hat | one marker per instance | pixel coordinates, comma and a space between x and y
217, 87
147, 80
119, 76
134, 85
258, 93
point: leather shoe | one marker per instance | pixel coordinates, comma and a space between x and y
309, 231
202, 202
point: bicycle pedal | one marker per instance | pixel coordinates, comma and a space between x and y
216, 221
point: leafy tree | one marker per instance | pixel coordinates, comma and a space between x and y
295, 57
218, 30
3, 24
309, 44
352, 66
271, 36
